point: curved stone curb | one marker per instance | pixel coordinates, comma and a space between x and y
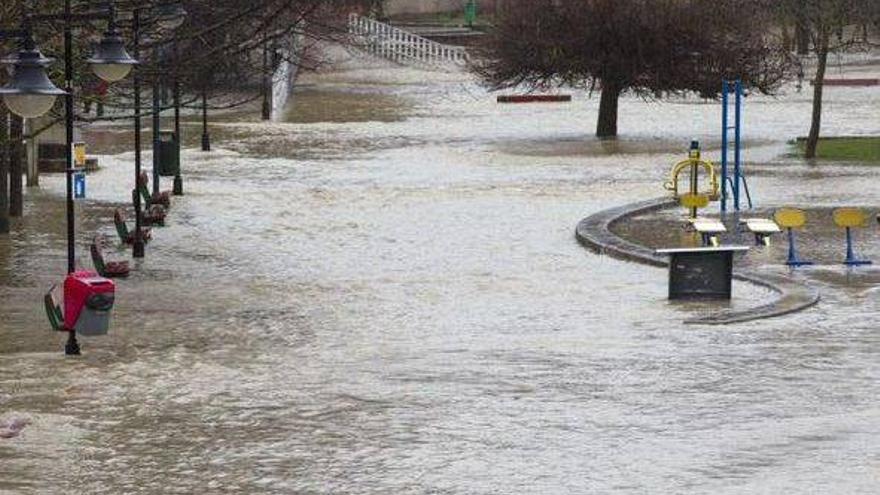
594, 232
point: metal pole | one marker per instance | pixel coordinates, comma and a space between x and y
72, 347
178, 180
737, 159
138, 247
725, 91
4, 172
157, 109
206, 138
267, 108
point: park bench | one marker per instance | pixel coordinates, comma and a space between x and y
762, 228
125, 235
108, 269
163, 198
709, 230
154, 216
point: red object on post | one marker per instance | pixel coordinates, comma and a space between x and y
88, 299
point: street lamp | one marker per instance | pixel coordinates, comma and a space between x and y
30, 93
110, 61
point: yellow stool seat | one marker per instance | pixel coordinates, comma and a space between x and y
850, 218
790, 218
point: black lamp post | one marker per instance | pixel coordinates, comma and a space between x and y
31, 94
206, 138
170, 16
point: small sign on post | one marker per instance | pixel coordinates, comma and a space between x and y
79, 155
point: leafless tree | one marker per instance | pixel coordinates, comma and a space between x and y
647, 47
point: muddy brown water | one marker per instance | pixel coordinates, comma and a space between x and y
398, 305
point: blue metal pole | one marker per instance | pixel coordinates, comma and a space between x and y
725, 90
737, 165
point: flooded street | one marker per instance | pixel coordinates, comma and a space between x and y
384, 295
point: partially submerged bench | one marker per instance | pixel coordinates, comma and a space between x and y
125, 235
163, 198
762, 228
109, 269
709, 230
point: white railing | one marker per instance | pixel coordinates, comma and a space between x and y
403, 47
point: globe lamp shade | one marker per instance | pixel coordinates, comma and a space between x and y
30, 93
111, 62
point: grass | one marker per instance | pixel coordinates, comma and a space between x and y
856, 149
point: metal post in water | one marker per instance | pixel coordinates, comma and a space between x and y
725, 98
178, 179
206, 138
694, 156
138, 244
737, 159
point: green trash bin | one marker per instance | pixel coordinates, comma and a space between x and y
169, 154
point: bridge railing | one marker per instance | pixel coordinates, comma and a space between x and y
403, 47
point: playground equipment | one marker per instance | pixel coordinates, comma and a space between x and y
694, 199
762, 228
737, 182
851, 218
791, 219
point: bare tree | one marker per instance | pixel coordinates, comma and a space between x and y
648, 47
826, 22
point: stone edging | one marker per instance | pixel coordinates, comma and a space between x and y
594, 232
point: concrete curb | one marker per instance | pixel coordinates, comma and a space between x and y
594, 233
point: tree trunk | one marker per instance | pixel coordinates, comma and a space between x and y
4, 172
818, 87
16, 166
607, 126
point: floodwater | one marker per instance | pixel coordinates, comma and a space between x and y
390, 299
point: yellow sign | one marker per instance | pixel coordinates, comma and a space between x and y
850, 217
79, 155
790, 218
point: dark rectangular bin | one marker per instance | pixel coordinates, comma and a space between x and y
701, 273
169, 154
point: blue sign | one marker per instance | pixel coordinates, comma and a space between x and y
79, 185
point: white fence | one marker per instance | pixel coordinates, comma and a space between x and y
403, 47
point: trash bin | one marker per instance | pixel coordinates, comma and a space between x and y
88, 301
169, 154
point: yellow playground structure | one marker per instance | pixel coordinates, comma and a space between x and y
694, 199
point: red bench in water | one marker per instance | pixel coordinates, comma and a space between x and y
534, 98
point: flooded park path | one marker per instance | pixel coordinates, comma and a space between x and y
384, 295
